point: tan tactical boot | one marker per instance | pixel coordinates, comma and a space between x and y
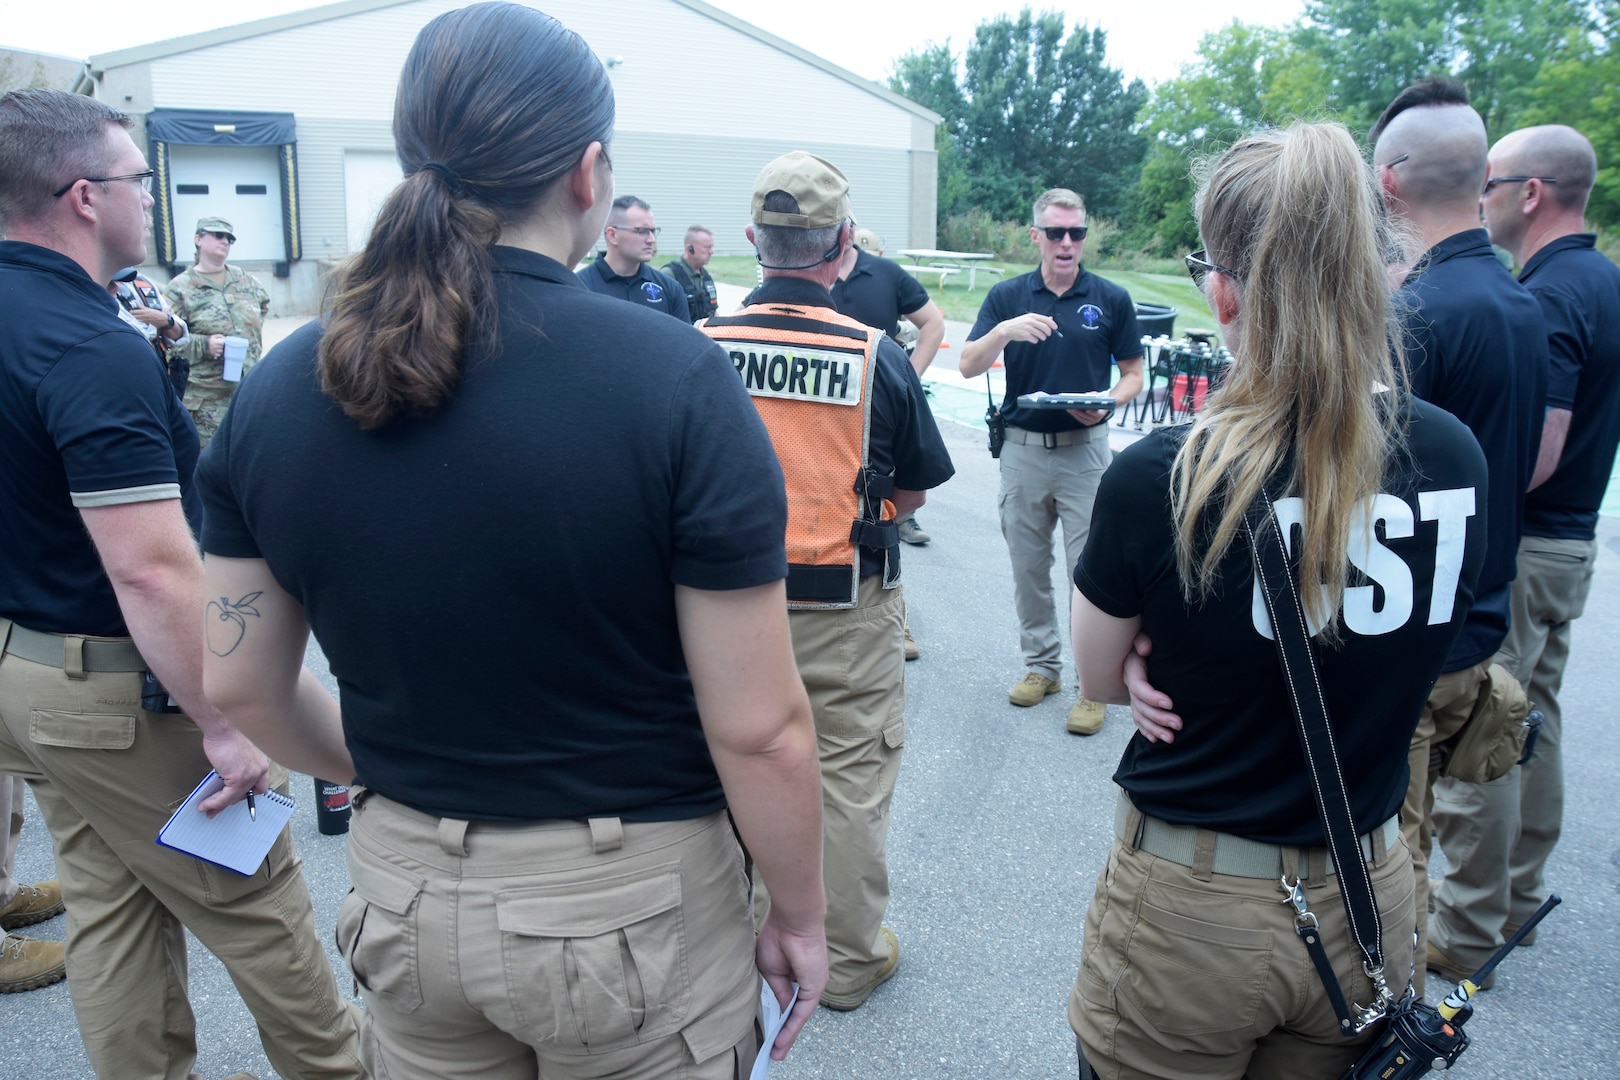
32, 904
1086, 718
27, 964
1032, 688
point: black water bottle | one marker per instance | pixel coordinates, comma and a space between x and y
331, 808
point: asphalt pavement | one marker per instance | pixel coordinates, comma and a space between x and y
1001, 823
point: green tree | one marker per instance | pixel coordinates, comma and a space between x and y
1581, 88
1029, 109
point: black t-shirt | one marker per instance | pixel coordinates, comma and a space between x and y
1096, 326
87, 419
697, 286
645, 288
1236, 766
1478, 349
1579, 291
904, 437
494, 584
877, 292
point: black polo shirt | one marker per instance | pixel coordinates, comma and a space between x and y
87, 419
1579, 291
1478, 349
494, 584
878, 292
1096, 327
904, 437
645, 288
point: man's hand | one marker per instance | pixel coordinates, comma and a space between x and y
216, 345
151, 317
1031, 326
239, 763
1150, 709
1090, 417
786, 957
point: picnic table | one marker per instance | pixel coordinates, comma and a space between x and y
950, 260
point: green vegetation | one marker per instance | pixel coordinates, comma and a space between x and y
1026, 108
1166, 283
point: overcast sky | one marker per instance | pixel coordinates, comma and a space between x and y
866, 36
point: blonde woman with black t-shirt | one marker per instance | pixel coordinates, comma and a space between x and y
1190, 966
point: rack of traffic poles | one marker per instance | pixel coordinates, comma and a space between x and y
1181, 374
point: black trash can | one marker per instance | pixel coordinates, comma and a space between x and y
1156, 320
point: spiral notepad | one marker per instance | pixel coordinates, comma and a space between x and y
232, 838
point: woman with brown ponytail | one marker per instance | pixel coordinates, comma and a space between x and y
1190, 965
539, 535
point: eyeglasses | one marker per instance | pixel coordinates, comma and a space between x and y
225, 236
1396, 161
142, 178
1199, 266
642, 231
1056, 233
1493, 181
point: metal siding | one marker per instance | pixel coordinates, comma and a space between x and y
709, 182
349, 66
690, 93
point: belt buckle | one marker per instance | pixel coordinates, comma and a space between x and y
1049, 440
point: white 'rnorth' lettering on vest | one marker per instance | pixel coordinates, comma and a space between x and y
798, 373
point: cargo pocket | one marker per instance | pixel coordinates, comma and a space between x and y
82, 731
593, 965
376, 932
1191, 977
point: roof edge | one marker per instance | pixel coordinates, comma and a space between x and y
876, 89
225, 34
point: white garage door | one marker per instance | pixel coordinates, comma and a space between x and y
241, 184
369, 177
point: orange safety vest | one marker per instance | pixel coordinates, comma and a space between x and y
810, 372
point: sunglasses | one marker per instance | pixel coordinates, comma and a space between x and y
1493, 181
142, 178
1199, 267
225, 236
1056, 233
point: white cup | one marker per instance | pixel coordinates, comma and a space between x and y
235, 354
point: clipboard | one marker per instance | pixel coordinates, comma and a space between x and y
1042, 400
232, 838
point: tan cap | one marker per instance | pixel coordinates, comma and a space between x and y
868, 241
216, 224
821, 191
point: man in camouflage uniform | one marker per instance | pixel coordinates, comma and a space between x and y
215, 300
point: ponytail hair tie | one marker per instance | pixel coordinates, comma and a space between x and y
445, 171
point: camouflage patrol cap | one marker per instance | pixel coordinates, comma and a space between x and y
821, 191
216, 224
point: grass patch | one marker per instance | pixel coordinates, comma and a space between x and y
959, 303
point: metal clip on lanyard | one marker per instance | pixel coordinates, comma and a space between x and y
1288, 624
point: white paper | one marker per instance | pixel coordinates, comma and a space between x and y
232, 838
771, 1018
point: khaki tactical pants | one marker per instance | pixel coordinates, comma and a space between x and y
1487, 886
557, 949
107, 775
1039, 488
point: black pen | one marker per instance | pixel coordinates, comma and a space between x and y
252, 812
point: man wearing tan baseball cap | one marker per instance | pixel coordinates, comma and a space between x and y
850, 469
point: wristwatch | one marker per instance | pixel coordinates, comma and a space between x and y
171, 323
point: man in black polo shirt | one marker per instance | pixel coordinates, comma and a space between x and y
622, 269
1060, 329
879, 292
690, 272
101, 588
1478, 349
1534, 204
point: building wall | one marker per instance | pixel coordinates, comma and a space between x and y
701, 107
